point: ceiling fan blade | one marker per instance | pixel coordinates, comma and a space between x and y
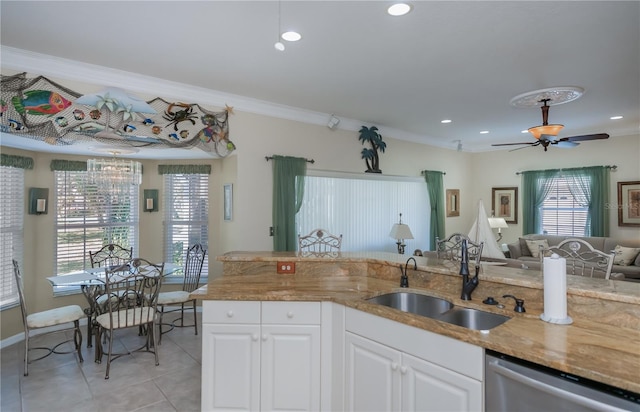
565, 144
587, 137
511, 144
524, 147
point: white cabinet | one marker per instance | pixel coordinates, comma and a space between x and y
390, 366
261, 356
371, 375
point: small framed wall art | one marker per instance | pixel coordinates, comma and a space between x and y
629, 203
453, 202
504, 203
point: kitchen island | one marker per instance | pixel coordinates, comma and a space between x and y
602, 344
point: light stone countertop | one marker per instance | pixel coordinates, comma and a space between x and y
602, 344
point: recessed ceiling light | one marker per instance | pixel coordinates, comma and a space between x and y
484, 132
445, 121
524, 131
615, 117
399, 9
291, 36
279, 46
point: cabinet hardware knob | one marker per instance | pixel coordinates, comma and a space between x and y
230, 314
264, 337
289, 314
394, 366
254, 337
403, 370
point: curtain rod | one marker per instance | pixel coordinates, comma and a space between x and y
425, 171
308, 160
614, 167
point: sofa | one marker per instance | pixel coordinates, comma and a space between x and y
627, 269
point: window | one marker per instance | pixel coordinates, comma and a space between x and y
11, 231
186, 216
562, 214
363, 209
87, 219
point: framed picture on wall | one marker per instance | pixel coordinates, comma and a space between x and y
629, 203
504, 203
453, 202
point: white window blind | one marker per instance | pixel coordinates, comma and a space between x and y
562, 214
87, 219
11, 230
363, 210
186, 216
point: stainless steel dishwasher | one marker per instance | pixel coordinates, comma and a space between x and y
513, 384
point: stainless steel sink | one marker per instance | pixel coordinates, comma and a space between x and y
440, 309
423, 305
473, 318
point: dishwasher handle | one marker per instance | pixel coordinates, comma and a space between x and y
496, 366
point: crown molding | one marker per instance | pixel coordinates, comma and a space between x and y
53, 66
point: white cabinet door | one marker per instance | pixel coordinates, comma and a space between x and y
230, 367
372, 376
290, 376
429, 387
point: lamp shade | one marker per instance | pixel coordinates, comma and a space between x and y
497, 223
400, 231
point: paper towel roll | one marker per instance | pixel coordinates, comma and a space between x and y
555, 290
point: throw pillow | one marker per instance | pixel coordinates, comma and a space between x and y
625, 255
524, 249
534, 246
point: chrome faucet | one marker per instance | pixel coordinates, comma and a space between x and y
468, 285
404, 279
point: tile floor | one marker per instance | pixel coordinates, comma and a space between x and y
61, 383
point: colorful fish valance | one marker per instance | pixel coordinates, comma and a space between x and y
41, 109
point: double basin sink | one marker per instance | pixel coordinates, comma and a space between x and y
440, 309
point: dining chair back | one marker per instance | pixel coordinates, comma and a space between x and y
130, 300
109, 255
450, 248
70, 314
582, 259
319, 242
192, 272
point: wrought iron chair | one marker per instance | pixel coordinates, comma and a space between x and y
48, 318
131, 296
319, 242
582, 258
108, 256
192, 270
451, 248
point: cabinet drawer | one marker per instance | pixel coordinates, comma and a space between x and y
230, 311
292, 313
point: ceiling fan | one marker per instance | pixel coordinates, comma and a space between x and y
546, 134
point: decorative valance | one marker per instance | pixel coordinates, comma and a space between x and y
68, 165
184, 169
20, 162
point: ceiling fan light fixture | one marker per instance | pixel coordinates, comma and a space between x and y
546, 129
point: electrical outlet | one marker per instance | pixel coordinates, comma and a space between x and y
286, 267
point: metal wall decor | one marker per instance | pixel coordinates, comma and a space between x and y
40, 109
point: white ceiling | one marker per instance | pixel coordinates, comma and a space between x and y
445, 60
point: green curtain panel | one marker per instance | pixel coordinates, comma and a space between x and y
288, 191
19, 162
435, 187
536, 185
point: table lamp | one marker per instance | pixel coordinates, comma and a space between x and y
400, 232
498, 223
